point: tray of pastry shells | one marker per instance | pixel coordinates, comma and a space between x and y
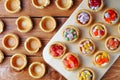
88, 43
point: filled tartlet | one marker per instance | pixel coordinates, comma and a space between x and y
57, 49
71, 33
40, 4
71, 61
18, 61
10, 41
36, 69
98, 31
64, 4
101, 59
1, 26
96, 5
1, 56
112, 43
12, 6
24, 24
86, 74
32, 44
47, 24
84, 17
87, 47
111, 16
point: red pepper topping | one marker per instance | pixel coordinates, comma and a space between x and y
56, 50
71, 61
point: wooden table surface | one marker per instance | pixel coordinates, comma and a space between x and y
6, 72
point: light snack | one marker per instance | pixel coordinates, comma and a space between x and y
1, 26
57, 49
86, 74
98, 31
95, 5
10, 41
36, 69
101, 59
1, 56
47, 24
71, 33
24, 24
84, 17
12, 6
64, 4
40, 4
71, 61
32, 44
111, 16
112, 43
87, 47
18, 61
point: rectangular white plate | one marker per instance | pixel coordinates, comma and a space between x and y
73, 47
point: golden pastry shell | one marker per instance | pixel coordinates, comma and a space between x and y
34, 74
47, 24
115, 12
1, 56
28, 42
94, 57
103, 26
14, 64
6, 44
12, 9
89, 69
22, 22
107, 41
60, 5
76, 56
83, 40
76, 29
42, 5
1, 26
90, 15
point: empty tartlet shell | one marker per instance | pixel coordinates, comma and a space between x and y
115, 12
32, 70
60, 5
1, 26
24, 24
83, 40
103, 26
9, 45
76, 56
1, 56
94, 57
100, 7
30, 43
72, 27
107, 41
14, 61
41, 5
47, 24
90, 15
9, 7
89, 69
61, 44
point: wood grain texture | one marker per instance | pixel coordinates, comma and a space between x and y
6, 72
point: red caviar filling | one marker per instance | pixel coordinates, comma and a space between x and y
71, 61
110, 16
113, 43
94, 3
56, 50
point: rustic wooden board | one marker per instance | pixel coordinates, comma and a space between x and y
29, 9
6, 72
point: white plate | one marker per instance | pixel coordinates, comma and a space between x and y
73, 47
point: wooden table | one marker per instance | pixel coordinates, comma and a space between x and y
6, 72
